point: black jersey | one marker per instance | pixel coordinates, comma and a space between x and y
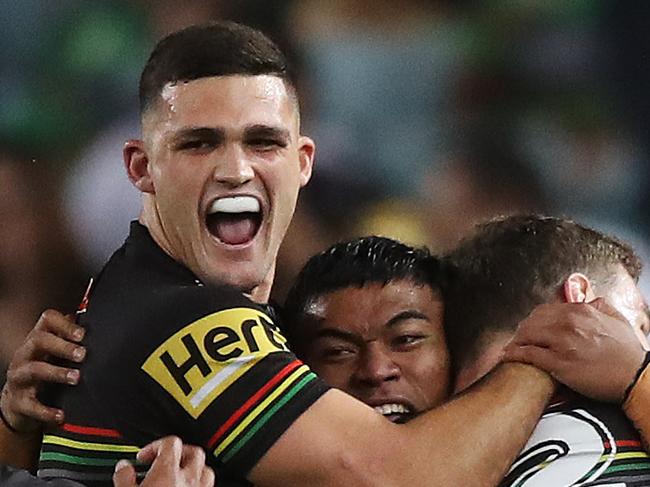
169, 355
580, 442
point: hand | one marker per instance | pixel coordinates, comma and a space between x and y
174, 464
53, 336
591, 347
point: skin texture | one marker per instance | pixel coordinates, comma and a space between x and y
216, 137
172, 463
383, 344
583, 339
624, 295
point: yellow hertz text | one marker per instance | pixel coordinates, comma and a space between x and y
200, 361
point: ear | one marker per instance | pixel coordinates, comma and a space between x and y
306, 153
136, 162
577, 289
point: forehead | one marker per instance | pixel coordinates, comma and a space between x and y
368, 309
224, 101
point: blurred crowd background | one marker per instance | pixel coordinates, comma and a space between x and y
429, 116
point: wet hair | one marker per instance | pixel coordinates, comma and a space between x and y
497, 276
214, 49
354, 264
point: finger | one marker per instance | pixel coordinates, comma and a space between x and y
207, 477
36, 410
602, 305
63, 326
542, 358
193, 458
47, 344
35, 372
165, 451
124, 475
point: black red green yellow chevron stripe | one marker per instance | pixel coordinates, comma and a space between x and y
84, 453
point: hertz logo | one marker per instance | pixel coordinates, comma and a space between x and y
200, 361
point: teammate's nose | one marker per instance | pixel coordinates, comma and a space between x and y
376, 366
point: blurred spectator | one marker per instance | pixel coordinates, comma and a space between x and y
381, 72
38, 268
69, 67
485, 178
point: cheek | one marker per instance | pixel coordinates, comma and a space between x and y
430, 372
335, 375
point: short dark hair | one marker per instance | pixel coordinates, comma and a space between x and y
497, 276
354, 264
219, 48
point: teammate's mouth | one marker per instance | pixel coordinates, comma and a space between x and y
395, 412
234, 220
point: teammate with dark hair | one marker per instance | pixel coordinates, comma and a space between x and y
366, 315
498, 276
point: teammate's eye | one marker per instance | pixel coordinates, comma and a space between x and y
334, 354
407, 341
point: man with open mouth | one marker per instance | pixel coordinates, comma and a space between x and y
171, 350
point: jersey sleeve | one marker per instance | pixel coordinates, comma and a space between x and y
229, 381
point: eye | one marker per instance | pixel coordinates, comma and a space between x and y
195, 145
407, 341
336, 353
267, 143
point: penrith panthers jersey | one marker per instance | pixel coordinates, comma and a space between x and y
168, 355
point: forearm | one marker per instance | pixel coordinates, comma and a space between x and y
17, 450
637, 406
473, 440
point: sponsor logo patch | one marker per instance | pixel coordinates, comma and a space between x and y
199, 362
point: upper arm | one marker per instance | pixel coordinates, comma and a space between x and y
227, 382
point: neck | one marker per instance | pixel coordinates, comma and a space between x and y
262, 292
259, 294
488, 357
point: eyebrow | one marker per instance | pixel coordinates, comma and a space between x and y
267, 131
199, 132
336, 333
410, 314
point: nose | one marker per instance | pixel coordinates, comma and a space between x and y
375, 366
233, 168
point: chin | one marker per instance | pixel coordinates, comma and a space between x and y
235, 276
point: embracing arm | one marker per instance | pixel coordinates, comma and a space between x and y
53, 336
470, 441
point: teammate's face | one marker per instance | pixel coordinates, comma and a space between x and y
384, 345
624, 294
224, 164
